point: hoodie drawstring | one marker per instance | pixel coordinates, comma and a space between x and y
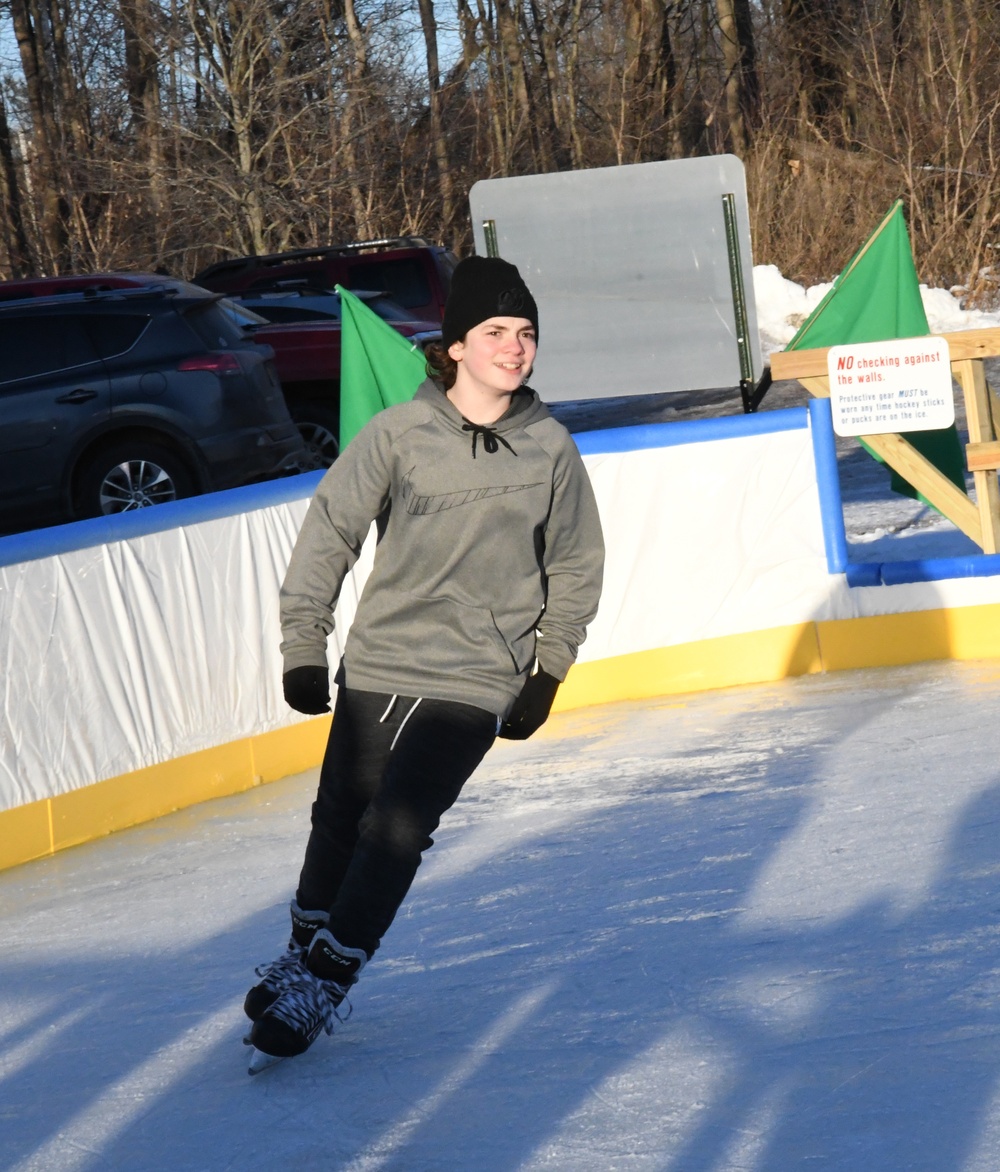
491, 441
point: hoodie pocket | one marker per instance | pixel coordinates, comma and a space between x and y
438, 636
520, 647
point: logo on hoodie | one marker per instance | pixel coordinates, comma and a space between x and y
421, 506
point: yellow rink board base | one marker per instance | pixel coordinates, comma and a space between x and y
44, 827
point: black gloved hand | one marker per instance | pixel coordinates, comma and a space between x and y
531, 708
307, 689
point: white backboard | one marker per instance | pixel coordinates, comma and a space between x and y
631, 272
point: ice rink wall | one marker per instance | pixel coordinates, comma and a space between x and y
142, 667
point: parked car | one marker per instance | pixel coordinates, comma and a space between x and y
122, 391
415, 272
307, 355
307, 359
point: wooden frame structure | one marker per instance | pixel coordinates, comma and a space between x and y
978, 519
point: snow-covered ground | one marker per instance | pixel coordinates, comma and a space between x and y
755, 930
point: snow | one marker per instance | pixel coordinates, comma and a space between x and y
783, 305
753, 930
739, 931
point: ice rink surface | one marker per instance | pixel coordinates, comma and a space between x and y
755, 929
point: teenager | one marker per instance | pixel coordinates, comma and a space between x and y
486, 574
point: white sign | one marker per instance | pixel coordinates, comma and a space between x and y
901, 385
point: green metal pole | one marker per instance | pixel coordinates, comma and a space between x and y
739, 300
490, 232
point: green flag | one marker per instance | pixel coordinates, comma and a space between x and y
877, 298
378, 366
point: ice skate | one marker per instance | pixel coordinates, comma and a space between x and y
276, 976
311, 1002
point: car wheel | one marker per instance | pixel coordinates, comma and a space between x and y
129, 476
319, 428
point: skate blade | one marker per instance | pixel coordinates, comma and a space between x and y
260, 1061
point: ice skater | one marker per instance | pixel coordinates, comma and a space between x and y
486, 575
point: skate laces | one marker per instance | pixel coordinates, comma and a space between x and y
279, 973
308, 1002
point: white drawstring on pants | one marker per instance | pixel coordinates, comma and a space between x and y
413, 708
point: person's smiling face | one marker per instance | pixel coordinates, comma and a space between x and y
496, 355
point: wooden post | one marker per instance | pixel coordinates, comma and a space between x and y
931, 483
979, 416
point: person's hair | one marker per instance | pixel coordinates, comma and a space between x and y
440, 365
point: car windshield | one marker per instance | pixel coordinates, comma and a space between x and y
217, 327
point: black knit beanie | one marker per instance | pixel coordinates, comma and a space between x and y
484, 287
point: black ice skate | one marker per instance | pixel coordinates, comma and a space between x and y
277, 975
309, 1003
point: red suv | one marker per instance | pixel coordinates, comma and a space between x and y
302, 327
415, 273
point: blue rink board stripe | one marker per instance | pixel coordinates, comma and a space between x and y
835, 538
985, 565
689, 431
58, 539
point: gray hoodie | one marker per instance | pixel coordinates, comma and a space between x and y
490, 553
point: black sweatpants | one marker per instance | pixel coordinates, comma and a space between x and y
393, 766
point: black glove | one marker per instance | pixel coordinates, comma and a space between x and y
531, 708
307, 689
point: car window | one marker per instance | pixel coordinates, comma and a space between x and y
216, 328
32, 346
390, 310
446, 262
406, 280
241, 314
113, 334
292, 312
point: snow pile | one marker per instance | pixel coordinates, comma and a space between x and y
945, 314
783, 305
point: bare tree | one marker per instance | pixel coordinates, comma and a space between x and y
815, 36
15, 238
29, 31
645, 78
142, 87
146, 132
439, 142
742, 82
